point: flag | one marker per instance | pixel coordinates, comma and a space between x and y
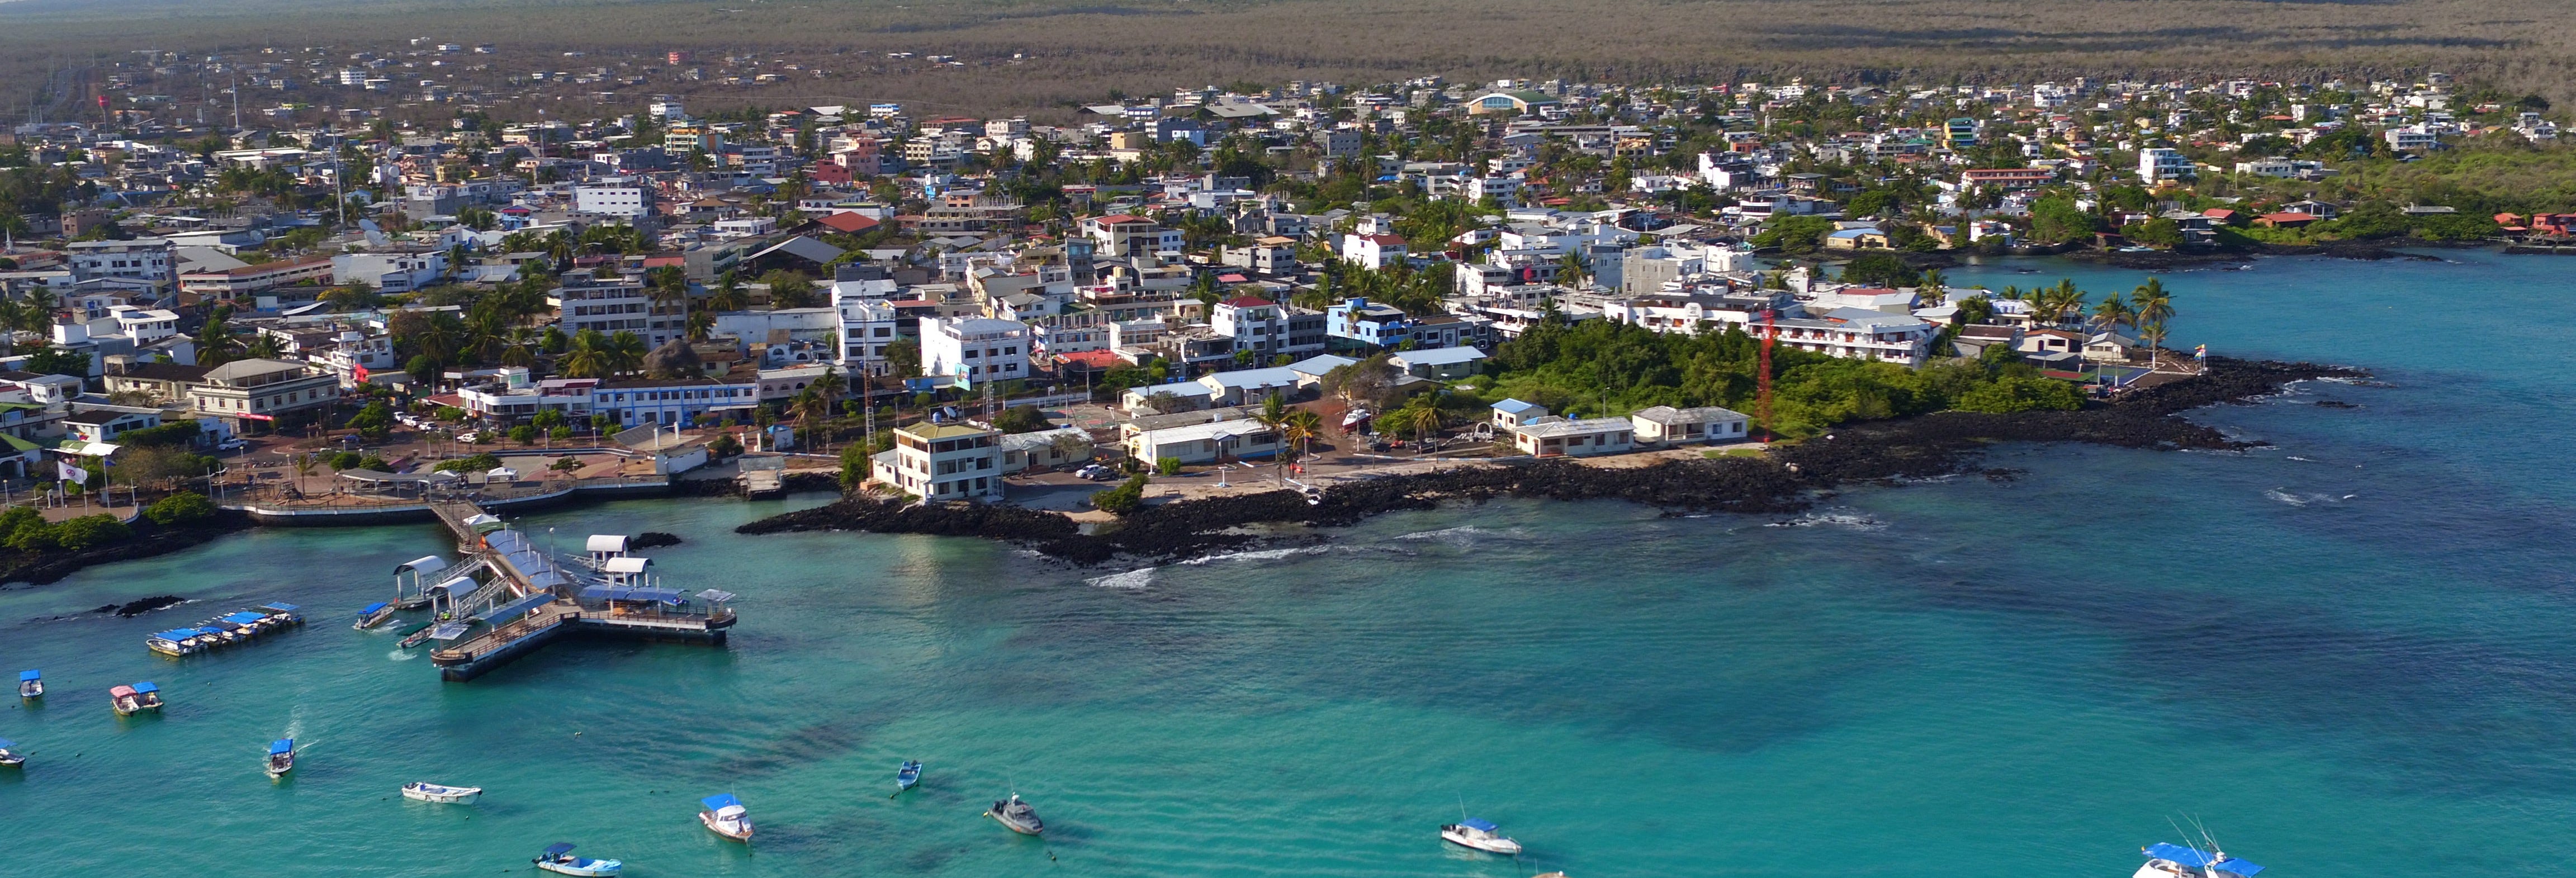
64, 470
359, 372
2201, 354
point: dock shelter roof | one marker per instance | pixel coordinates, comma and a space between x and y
623, 593
606, 543
514, 608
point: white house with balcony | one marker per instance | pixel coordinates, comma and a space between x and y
976, 348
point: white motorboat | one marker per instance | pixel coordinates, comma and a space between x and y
9, 759
2177, 861
726, 816
424, 791
281, 757
1017, 815
558, 859
1480, 834
375, 614
130, 700
31, 684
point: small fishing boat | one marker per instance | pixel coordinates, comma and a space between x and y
424, 791
907, 776
558, 859
726, 816
10, 759
31, 684
1480, 834
281, 757
1017, 815
375, 614
130, 700
282, 615
2177, 861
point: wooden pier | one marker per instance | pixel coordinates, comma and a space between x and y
533, 600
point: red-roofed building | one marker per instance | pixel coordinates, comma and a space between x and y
1122, 235
1373, 251
1090, 361
2284, 220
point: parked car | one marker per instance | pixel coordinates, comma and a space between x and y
234, 444
1097, 473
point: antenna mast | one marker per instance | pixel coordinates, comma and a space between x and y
1762, 375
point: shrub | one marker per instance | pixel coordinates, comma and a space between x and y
181, 508
2011, 393
1122, 499
91, 530
523, 434
348, 460
724, 445
484, 462
1167, 466
24, 529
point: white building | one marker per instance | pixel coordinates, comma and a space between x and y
1372, 251
1204, 442
624, 200
979, 348
942, 462
1554, 436
390, 272
1667, 425
614, 305
867, 325
673, 402
144, 259
2157, 164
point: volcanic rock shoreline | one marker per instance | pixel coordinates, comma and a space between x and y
1786, 480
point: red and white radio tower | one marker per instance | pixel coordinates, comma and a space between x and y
1762, 377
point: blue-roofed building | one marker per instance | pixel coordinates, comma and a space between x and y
1442, 364
1510, 414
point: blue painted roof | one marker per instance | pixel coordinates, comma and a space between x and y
372, 608
1440, 356
1514, 406
2194, 858
30, 675
281, 745
146, 686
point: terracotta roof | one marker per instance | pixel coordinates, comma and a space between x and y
847, 223
1247, 301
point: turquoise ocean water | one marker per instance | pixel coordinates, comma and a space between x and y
2345, 652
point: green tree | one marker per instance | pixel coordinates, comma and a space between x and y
185, 507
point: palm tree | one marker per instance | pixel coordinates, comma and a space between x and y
1424, 420
587, 356
1300, 427
2112, 312
1572, 270
625, 351
1931, 289
2152, 309
728, 295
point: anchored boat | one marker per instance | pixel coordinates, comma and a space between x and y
424, 791
2176, 861
31, 684
10, 759
281, 757
726, 816
225, 630
375, 614
1480, 834
907, 776
1017, 815
558, 859
129, 700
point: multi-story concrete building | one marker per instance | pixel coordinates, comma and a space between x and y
613, 305
263, 390
143, 259
942, 462
976, 348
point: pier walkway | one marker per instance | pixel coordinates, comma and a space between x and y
533, 599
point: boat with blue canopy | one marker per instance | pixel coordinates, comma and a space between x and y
31, 684
726, 816
906, 776
375, 614
2178, 861
9, 758
129, 700
182, 641
281, 757
558, 859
